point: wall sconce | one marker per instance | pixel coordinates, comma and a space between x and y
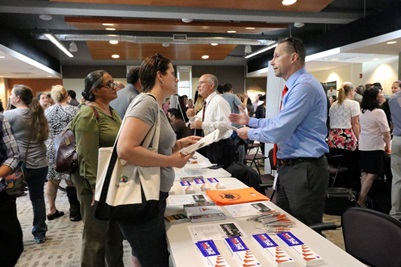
73, 47
248, 49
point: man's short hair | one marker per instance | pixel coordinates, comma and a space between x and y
227, 87
72, 94
295, 45
133, 75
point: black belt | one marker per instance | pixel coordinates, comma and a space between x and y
292, 162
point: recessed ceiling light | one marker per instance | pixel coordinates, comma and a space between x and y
288, 2
205, 56
231, 31
392, 42
110, 29
49, 76
115, 56
2, 57
113, 42
45, 17
214, 44
108, 24
249, 28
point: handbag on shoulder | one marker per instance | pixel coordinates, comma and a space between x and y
14, 184
126, 192
66, 158
66, 154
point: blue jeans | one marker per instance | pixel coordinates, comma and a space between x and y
35, 178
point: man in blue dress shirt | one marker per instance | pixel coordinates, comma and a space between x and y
299, 130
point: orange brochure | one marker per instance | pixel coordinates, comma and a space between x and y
235, 196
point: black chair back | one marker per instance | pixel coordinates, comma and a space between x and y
372, 237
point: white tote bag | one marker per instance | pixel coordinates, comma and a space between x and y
118, 189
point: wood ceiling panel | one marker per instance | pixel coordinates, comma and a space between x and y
272, 5
91, 23
135, 51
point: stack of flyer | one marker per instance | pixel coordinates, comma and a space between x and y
211, 256
203, 212
303, 252
240, 252
275, 254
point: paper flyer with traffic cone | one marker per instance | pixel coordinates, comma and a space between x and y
303, 251
241, 253
211, 256
275, 254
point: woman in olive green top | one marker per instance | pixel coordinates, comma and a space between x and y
96, 125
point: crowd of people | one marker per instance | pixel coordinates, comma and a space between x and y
299, 130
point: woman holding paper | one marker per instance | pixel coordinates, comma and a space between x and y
148, 239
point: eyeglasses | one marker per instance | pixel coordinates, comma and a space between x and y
110, 84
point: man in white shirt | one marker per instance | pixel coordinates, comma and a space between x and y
332, 92
213, 115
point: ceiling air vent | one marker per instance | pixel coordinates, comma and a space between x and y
180, 37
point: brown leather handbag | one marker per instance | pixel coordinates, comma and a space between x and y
65, 147
66, 154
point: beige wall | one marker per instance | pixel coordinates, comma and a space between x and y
383, 71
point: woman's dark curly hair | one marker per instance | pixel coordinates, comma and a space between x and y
149, 68
93, 80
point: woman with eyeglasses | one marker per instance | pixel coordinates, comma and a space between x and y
148, 237
96, 125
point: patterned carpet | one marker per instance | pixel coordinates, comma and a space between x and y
63, 245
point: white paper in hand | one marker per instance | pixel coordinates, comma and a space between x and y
205, 141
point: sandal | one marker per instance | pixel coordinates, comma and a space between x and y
55, 215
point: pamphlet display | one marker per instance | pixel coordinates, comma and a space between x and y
211, 256
241, 253
303, 251
274, 253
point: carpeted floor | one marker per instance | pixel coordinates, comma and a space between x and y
63, 245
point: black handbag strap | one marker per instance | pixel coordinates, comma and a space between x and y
114, 157
107, 178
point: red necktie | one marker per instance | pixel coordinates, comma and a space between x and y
275, 148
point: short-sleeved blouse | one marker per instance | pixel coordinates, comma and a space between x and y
146, 110
373, 125
341, 114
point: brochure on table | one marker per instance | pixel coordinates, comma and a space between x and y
215, 231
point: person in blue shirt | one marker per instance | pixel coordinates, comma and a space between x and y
299, 130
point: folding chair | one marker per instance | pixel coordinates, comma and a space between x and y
268, 178
335, 167
255, 159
